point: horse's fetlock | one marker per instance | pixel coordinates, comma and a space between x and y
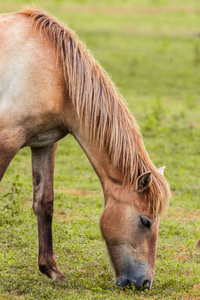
41, 207
44, 269
47, 265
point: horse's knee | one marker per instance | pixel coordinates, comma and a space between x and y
47, 208
34, 207
44, 208
36, 203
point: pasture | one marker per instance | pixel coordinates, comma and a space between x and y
151, 49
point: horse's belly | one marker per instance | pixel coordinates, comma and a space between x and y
45, 138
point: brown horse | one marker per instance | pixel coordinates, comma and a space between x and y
50, 86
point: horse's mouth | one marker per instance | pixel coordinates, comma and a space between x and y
140, 284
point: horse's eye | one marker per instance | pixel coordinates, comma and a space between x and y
145, 222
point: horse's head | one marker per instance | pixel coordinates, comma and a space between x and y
131, 231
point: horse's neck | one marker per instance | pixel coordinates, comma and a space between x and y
100, 161
98, 158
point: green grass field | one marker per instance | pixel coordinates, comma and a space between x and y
151, 49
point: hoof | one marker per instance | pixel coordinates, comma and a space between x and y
52, 271
58, 277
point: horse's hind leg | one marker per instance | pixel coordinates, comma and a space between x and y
43, 168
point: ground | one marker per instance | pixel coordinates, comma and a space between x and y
151, 49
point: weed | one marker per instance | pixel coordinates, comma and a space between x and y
11, 203
154, 117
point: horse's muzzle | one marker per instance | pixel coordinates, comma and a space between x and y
139, 283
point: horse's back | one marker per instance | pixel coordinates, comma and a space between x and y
24, 52
32, 86
14, 28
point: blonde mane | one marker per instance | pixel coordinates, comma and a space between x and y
101, 109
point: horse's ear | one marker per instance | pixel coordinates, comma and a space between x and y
161, 170
143, 181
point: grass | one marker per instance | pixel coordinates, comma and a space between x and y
152, 51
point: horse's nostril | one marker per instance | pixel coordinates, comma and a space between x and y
146, 285
122, 281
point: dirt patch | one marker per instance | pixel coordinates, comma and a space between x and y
13, 296
192, 295
62, 215
196, 287
127, 10
28, 201
2, 190
73, 192
193, 125
183, 215
184, 254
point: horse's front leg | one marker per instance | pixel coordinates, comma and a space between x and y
11, 139
43, 169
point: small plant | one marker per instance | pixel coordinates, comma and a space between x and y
196, 54
154, 116
11, 203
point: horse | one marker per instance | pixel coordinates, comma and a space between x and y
51, 86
